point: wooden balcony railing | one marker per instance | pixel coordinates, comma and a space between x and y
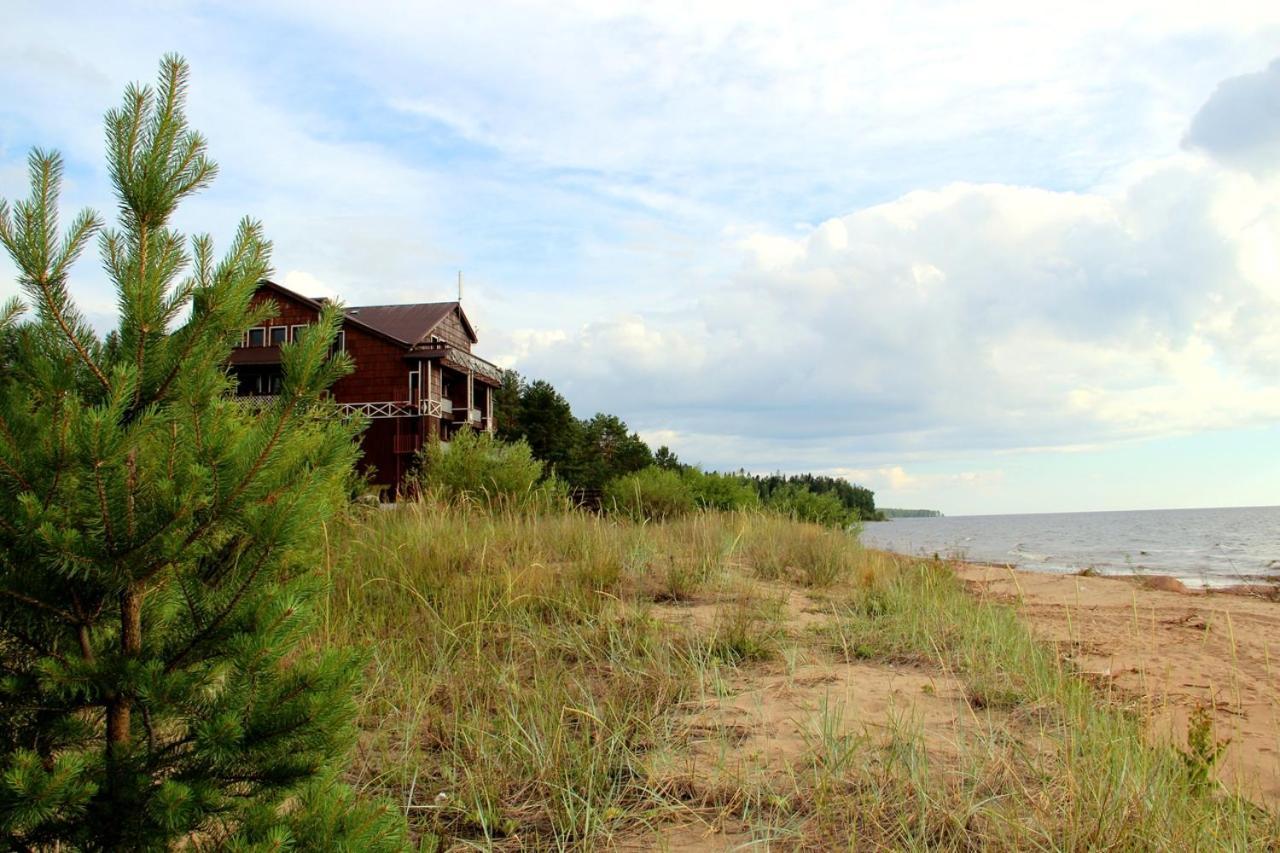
379, 409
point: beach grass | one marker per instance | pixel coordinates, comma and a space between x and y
558, 680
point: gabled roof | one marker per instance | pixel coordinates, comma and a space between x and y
411, 324
407, 325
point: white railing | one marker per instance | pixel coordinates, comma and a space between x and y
379, 409
254, 401
388, 409
475, 416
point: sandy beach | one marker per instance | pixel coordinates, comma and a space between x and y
1167, 650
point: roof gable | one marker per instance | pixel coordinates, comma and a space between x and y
410, 324
293, 296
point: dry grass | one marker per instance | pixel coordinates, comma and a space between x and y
568, 681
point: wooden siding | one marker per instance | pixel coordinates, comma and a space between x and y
287, 312
381, 373
453, 332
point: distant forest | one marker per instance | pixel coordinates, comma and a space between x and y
590, 453
888, 512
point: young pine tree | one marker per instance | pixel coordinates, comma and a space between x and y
158, 545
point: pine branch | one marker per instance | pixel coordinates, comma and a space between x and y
203, 634
38, 604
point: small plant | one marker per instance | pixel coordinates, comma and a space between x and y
1203, 750
747, 631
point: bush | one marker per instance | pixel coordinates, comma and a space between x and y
477, 468
729, 492
650, 494
798, 502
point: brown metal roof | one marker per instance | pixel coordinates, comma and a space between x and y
409, 324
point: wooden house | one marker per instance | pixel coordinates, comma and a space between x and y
414, 373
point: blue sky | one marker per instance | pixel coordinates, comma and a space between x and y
980, 257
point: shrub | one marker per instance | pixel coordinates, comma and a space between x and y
798, 502
477, 468
713, 490
650, 494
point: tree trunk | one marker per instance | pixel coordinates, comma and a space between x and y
120, 706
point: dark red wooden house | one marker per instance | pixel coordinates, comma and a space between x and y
415, 375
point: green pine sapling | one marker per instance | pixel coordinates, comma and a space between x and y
158, 544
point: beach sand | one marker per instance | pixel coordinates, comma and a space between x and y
1168, 650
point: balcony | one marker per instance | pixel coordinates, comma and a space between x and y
256, 355
446, 406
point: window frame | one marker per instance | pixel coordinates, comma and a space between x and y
271, 336
293, 331
248, 337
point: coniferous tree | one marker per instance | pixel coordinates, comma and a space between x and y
607, 450
158, 544
506, 401
548, 425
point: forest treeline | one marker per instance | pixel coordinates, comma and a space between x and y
602, 454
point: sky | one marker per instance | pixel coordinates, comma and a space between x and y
980, 257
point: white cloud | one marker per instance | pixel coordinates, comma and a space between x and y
971, 317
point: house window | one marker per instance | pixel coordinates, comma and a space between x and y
340, 342
415, 386
257, 337
294, 332
278, 335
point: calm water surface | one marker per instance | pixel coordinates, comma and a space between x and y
1212, 547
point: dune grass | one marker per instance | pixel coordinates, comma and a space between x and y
526, 674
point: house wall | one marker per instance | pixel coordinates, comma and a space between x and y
288, 312
451, 330
380, 374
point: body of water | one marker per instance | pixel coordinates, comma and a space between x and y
1211, 547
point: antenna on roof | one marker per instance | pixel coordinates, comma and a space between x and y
459, 285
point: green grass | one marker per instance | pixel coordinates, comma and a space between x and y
530, 681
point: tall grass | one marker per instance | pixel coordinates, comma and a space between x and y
512, 692
527, 669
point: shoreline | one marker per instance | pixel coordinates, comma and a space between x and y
1266, 588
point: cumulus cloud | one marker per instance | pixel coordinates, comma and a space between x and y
1240, 123
977, 316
